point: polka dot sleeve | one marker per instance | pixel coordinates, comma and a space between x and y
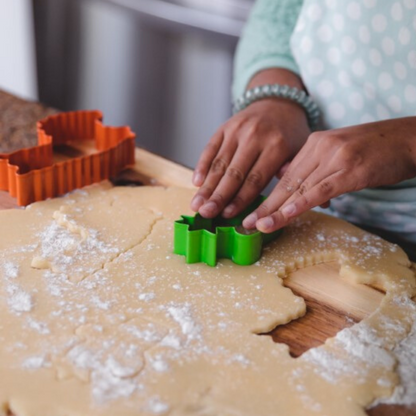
266, 41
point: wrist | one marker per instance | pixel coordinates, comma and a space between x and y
284, 92
282, 106
276, 76
285, 109
411, 141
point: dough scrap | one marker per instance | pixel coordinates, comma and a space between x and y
100, 318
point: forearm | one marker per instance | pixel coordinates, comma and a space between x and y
249, 149
409, 123
283, 106
276, 76
339, 161
266, 41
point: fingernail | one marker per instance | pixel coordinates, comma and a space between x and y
197, 202
229, 210
210, 207
197, 179
265, 223
289, 210
250, 221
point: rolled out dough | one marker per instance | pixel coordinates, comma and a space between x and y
98, 317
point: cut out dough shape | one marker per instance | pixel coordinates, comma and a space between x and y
100, 318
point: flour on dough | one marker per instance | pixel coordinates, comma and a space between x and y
100, 318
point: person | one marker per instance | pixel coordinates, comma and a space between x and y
357, 61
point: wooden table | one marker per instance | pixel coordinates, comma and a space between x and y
332, 303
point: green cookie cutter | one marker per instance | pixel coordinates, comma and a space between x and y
205, 240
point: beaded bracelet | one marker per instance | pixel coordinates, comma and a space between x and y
281, 91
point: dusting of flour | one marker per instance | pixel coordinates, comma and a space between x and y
405, 353
118, 356
365, 350
19, 300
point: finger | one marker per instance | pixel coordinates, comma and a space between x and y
258, 177
294, 173
231, 182
319, 174
283, 170
327, 204
216, 172
207, 156
326, 189
292, 181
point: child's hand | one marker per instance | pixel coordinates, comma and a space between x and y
245, 153
338, 161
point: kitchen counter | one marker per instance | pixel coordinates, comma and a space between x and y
18, 122
18, 129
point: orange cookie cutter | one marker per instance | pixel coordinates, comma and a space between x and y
31, 175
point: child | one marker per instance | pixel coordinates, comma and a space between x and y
357, 61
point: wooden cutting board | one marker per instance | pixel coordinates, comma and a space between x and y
332, 303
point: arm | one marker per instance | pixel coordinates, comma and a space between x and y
265, 42
248, 150
251, 147
338, 161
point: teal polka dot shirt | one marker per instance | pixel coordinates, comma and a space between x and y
358, 61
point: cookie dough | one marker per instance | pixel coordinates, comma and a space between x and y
100, 318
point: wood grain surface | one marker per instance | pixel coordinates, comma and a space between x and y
332, 303
18, 122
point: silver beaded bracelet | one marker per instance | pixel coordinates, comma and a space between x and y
281, 91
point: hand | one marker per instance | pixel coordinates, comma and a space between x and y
245, 153
338, 161
284, 169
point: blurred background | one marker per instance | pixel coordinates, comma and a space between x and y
164, 67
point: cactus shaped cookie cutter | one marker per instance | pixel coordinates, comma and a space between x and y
32, 175
207, 240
